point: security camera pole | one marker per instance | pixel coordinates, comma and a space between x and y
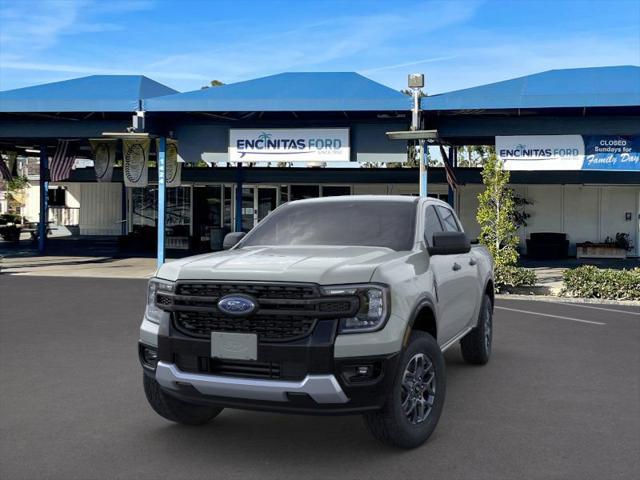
416, 83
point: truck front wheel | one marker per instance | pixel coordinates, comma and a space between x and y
174, 409
476, 345
414, 404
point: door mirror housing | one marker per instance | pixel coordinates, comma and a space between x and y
231, 239
449, 243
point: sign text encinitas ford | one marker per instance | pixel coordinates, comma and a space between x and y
541, 152
289, 145
569, 152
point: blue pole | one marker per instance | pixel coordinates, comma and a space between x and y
423, 168
162, 149
452, 163
238, 227
44, 199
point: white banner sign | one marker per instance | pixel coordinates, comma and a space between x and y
541, 152
136, 162
104, 157
289, 145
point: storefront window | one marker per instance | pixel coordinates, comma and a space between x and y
284, 194
144, 214
300, 192
335, 190
144, 207
226, 214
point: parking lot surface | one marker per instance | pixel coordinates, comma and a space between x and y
559, 399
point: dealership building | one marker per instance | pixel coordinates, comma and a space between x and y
232, 154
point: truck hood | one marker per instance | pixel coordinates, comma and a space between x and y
318, 264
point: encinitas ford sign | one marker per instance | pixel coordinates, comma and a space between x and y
289, 145
541, 152
569, 152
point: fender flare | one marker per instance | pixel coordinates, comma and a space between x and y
423, 301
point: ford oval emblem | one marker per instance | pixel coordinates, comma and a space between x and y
236, 305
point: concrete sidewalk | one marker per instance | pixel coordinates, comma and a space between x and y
69, 266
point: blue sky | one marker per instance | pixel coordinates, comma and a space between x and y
184, 44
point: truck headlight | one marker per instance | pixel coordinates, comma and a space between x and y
154, 313
373, 311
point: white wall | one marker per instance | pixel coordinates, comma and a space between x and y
583, 212
615, 202
100, 208
32, 202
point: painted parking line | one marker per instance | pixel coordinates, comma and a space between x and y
581, 305
530, 312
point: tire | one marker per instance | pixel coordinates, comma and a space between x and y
476, 345
174, 409
391, 425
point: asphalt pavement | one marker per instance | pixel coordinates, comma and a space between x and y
560, 399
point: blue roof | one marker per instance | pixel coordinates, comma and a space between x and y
297, 92
577, 87
96, 93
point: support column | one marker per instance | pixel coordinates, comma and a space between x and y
162, 150
124, 231
238, 226
453, 161
44, 199
423, 156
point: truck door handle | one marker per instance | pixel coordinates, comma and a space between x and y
473, 262
456, 267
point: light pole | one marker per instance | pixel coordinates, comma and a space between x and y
416, 83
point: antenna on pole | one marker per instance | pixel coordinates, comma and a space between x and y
416, 83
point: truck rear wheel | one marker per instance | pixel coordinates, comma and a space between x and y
174, 409
413, 406
476, 345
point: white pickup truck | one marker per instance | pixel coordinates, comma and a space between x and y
338, 305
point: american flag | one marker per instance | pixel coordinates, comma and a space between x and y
4, 170
62, 161
451, 176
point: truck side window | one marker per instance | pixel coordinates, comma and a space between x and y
448, 220
431, 224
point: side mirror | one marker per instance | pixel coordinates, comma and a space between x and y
231, 239
449, 243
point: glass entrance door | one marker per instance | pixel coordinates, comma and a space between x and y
257, 202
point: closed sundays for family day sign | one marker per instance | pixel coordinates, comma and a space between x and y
569, 152
289, 145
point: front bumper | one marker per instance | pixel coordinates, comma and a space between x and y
320, 388
300, 376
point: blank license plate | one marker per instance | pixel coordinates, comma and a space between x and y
234, 346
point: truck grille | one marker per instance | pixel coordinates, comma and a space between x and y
268, 327
285, 311
232, 368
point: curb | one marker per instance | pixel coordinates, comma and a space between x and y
554, 299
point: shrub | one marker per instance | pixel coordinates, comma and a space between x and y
512, 276
592, 282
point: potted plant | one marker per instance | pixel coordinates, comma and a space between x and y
10, 227
617, 247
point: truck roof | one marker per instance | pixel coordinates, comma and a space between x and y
360, 198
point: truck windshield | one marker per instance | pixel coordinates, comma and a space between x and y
374, 223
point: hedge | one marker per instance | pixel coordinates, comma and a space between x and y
591, 282
510, 276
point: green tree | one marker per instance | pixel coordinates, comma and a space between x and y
496, 212
474, 155
213, 83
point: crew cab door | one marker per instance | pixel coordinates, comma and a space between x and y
456, 276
